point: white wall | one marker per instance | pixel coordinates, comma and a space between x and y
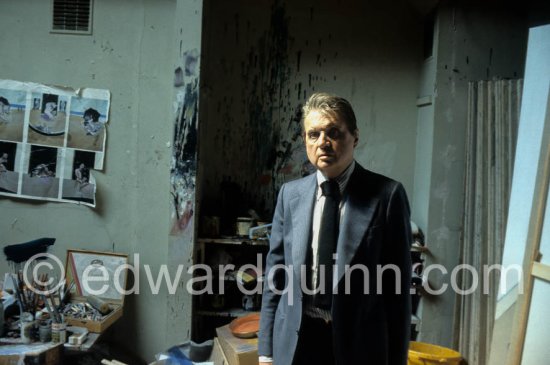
131, 53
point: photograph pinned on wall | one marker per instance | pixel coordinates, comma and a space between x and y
41, 179
87, 123
48, 119
9, 174
81, 186
61, 133
12, 114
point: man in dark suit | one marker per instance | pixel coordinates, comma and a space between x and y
354, 306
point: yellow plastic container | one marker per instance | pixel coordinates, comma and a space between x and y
421, 353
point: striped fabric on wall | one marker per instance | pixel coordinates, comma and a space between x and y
493, 115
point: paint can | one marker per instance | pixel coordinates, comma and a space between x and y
59, 332
45, 332
243, 225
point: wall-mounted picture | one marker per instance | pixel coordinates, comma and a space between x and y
50, 139
87, 124
12, 114
81, 186
9, 177
48, 119
41, 179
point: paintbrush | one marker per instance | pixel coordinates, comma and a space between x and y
25, 292
42, 279
51, 308
67, 293
55, 307
17, 293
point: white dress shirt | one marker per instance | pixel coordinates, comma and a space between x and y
342, 180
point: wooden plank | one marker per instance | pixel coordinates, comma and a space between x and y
541, 271
234, 241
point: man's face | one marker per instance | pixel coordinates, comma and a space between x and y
329, 143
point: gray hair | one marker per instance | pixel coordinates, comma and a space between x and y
331, 105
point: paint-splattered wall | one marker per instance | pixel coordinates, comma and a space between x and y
183, 167
183, 163
260, 62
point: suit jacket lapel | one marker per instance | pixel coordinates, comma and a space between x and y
302, 213
358, 214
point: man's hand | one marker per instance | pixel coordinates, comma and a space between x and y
265, 363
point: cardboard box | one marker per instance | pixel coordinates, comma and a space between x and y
238, 351
108, 276
217, 356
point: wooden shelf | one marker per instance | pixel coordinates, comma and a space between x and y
247, 241
541, 271
234, 241
229, 312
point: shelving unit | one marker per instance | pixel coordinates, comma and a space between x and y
207, 317
212, 310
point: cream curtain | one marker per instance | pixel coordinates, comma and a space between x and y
493, 115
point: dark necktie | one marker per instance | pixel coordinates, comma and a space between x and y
328, 237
